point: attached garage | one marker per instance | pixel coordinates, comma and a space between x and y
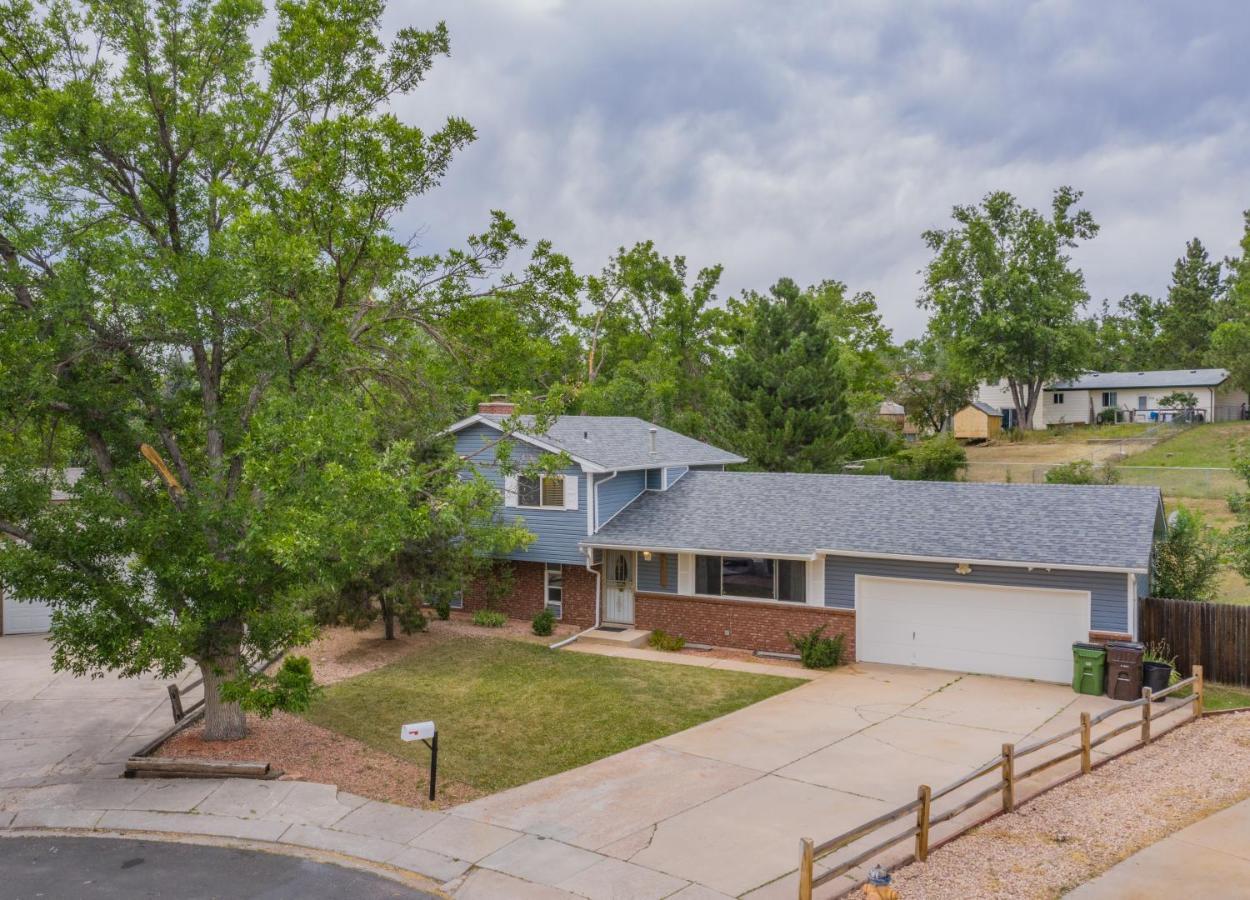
1021, 632
23, 618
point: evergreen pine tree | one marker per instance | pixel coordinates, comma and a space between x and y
1192, 311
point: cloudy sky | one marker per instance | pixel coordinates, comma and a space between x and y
819, 139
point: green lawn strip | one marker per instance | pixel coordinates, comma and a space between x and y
1202, 446
1223, 696
510, 712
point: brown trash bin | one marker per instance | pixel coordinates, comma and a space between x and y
1124, 659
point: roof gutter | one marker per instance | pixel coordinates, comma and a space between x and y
1014, 564
705, 551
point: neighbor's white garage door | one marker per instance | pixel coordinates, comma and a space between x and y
24, 618
994, 630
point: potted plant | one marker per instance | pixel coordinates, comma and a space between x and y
1157, 664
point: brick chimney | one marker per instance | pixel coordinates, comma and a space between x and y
497, 405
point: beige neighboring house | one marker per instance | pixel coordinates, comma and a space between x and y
1134, 395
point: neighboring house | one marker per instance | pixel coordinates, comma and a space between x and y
992, 578
31, 616
1134, 395
894, 415
978, 421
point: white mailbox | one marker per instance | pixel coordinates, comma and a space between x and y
417, 731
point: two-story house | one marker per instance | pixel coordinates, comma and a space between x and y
646, 529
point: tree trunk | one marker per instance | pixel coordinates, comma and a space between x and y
388, 620
222, 721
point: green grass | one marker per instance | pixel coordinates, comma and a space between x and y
509, 712
1222, 696
1076, 434
1205, 446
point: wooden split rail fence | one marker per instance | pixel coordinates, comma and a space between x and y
1006, 772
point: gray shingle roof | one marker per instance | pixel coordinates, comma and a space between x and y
624, 442
987, 408
770, 513
1159, 378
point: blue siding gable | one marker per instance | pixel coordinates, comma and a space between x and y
614, 494
1108, 590
557, 531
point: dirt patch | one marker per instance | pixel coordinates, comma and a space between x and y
1079, 830
1058, 452
306, 752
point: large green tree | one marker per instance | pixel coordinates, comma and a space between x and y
930, 386
788, 410
1127, 337
200, 283
1191, 312
1005, 295
1230, 344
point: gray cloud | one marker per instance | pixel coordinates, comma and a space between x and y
819, 140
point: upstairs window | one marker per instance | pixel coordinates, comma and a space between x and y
540, 491
1058, 398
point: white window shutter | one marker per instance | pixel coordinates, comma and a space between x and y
570, 491
509, 490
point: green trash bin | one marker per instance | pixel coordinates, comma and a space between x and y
1089, 666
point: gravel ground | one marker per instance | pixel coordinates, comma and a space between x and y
1079, 830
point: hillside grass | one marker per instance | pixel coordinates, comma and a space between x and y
1200, 446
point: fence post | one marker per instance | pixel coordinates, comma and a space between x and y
922, 823
1085, 761
805, 870
1148, 696
1198, 692
175, 702
1009, 777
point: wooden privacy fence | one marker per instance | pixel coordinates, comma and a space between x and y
1005, 772
1215, 636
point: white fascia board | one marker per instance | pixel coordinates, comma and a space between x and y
585, 464
972, 561
675, 463
704, 551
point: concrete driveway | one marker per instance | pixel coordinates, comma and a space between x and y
723, 804
57, 728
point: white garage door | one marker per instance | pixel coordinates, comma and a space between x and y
990, 629
25, 618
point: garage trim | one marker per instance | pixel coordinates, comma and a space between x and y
1085, 596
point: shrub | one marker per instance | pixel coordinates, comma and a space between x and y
292, 689
490, 618
1082, 471
544, 623
1187, 561
442, 608
937, 459
412, 620
662, 640
1108, 417
817, 651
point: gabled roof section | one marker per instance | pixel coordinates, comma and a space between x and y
1097, 527
610, 443
986, 408
1157, 378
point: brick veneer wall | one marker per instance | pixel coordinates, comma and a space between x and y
526, 596
751, 626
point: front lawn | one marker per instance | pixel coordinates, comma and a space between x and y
1223, 696
509, 712
1203, 446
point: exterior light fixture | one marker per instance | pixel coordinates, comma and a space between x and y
963, 569
646, 555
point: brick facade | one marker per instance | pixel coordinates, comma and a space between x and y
526, 597
750, 625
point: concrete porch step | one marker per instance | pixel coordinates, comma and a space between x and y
630, 637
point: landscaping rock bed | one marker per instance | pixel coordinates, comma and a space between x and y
1080, 829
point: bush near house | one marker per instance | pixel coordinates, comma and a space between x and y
662, 640
1187, 562
937, 459
490, 618
543, 623
817, 651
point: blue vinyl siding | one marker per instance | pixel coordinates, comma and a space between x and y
675, 473
655, 479
649, 573
1108, 590
618, 493
557, 531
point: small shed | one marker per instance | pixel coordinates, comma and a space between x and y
978, 421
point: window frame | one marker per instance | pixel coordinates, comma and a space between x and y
558, 610
1057, 398
777, 562
541, 479
1110, 399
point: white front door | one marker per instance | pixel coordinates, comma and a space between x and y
618, 588
991, 629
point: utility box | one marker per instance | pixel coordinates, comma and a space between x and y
1124, 659
1089, 665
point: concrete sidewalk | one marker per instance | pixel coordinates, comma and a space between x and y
1208, 859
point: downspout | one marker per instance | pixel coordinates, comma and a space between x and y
590, 567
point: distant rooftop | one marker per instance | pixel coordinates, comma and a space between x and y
1156, 378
